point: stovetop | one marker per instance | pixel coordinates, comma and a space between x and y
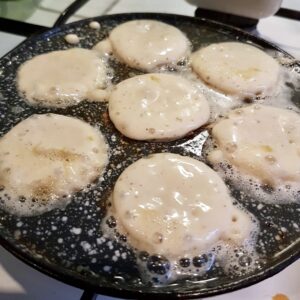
17, 280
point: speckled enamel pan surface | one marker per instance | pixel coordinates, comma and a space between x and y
49, 243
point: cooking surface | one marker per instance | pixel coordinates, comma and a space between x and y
271, 293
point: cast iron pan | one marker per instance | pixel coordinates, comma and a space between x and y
46, 243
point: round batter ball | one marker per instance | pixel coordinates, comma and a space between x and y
173, 205
61, 78
146, 44
260, 141
46, 158
157, 107
236, 68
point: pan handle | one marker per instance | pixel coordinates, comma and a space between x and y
69, 11
88, 295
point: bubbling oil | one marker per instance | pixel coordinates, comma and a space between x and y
269, 176
253, 189
233, 257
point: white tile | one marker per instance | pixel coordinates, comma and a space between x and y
42, 17
8, 285
76, 18
55, 5
26, 283
18, 10
282, 31
49, 10
293, 4
8, 42
166, 6
95, 8
286, 282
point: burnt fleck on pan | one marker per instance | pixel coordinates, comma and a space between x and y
46, 243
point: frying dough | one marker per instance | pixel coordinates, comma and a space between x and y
260, 141
146, 44
236, 68
103, 48
173, 205
157, 107
94, 25
61, 78
45, 158
72, 39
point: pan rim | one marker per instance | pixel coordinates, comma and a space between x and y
49, 270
